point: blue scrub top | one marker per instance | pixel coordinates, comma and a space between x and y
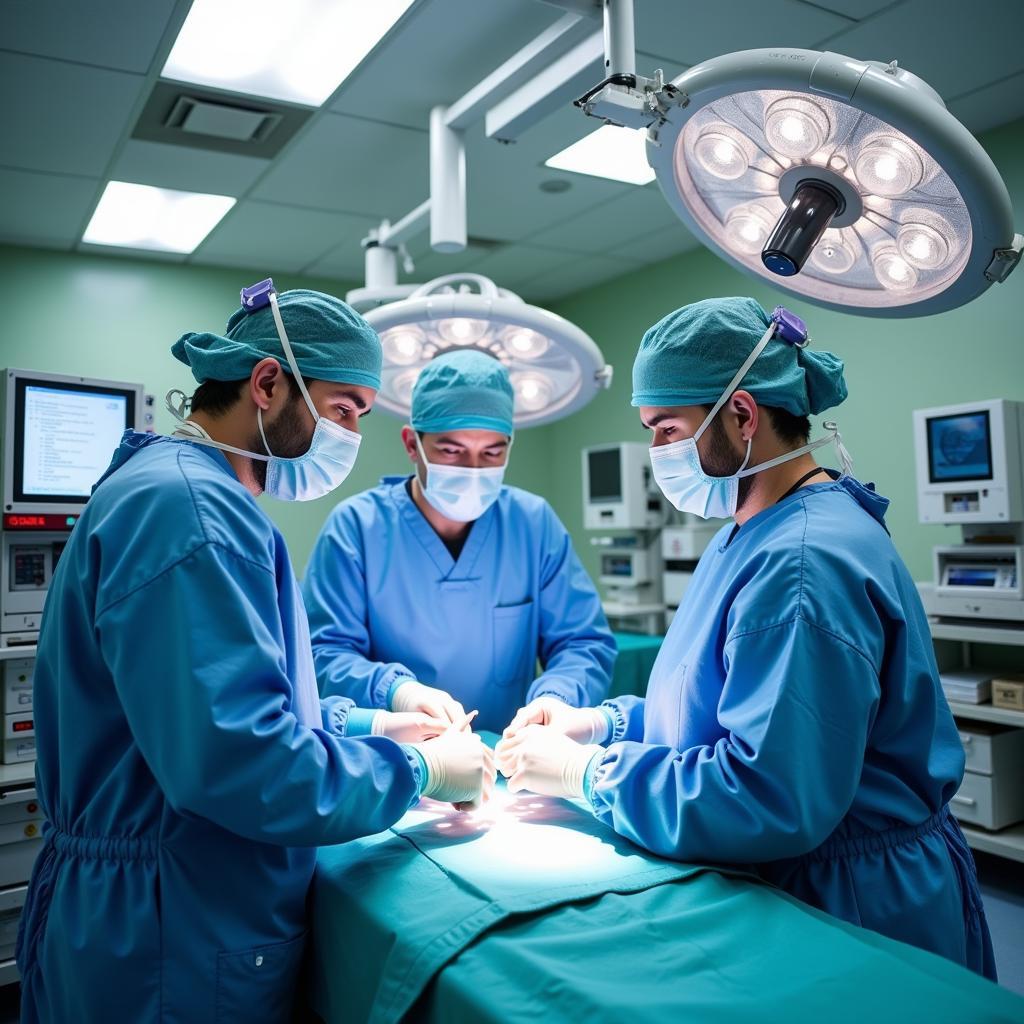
186, 765
387, 601
794, 721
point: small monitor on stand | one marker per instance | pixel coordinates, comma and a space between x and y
970, 473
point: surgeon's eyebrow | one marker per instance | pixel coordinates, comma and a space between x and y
655, 420
357, 400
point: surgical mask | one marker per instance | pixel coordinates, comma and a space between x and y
318, 471
461, 493
681, 477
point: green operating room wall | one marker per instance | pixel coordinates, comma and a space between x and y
116, 318
892, 368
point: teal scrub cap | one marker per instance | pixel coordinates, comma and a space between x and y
690, 357
463, 390
330, 340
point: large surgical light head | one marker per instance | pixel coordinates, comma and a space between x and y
842, 182
554, 366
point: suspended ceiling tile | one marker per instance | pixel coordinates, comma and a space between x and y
513, 265
574, 275
60, 117
659, 245
278, 237
856, 10
694, 31
344, 262
639, 212
992, 105
350, 164
119, 34
504, 196
954, 46
445, 47
192, 170
44, 209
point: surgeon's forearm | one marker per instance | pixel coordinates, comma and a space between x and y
579, 673
346, 673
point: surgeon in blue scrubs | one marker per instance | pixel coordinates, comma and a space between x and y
441, 591
794, 718
186, 764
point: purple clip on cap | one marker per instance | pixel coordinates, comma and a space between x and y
790, 327
256, 296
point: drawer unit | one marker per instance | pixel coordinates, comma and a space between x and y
992, 749
992, 801
992, 793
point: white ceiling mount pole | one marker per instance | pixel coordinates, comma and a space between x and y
381, 261
447, 185
619, 38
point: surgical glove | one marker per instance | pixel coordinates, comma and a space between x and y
543, 760
585, 725
413, 696
460, 768
406, 726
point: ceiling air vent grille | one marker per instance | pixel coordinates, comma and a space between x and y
201, 118
219, 121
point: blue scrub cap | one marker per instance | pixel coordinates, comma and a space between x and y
463, 390
690, 357
331, 341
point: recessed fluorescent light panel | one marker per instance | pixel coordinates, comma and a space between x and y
610, 152
144, 217
299, 51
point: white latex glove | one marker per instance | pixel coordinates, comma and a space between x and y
413, 696
460, 768
407, 726
585, 725
543, 760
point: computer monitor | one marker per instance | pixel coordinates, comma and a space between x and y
618, 492
969, 462
59, 435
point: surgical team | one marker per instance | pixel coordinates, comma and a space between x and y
204, 724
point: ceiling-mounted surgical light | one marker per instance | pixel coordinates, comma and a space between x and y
554, 366
842, 182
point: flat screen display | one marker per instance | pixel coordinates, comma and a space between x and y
64, 437
605, 474
959, 447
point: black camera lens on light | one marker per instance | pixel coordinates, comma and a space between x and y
808, 214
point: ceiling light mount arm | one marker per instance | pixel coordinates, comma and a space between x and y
623, 97
444, 212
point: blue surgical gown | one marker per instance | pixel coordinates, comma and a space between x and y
186, 765
387, 601
794, 722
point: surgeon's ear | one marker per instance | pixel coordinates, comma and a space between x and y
409, 441
266, 377
744, 408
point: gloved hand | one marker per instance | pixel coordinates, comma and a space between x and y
413, 696
543, 760
406, 726
585, 725
460, 768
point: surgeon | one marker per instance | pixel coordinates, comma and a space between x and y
186, 765
794, 718
441, 591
